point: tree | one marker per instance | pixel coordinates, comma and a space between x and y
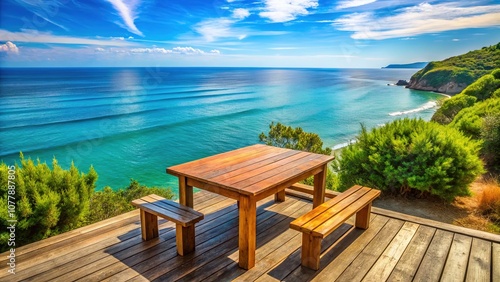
294, 138
411, 156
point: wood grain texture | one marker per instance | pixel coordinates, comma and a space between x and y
115, 251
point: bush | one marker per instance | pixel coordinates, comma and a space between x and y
490, 134
52, 201
450, 108
411, 156
484, 87
108, 203
48, 202
470, 120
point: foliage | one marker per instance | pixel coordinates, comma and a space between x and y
51, 201
490, 134
450, 108
489, 203
287, 137
411, 155
48, 202
108, 203
482, 89
463, 69
470, 120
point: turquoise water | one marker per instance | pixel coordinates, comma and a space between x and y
135, 122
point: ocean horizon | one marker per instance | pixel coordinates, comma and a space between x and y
132, 123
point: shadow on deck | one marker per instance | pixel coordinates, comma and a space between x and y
396, 247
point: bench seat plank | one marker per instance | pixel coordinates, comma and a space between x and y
154, 206
331, 224
325, 218
165, 209
335, 207
323, 207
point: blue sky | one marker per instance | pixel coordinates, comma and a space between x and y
256, 33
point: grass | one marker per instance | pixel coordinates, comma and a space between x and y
489, 203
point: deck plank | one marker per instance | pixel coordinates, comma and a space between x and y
433, 262
348, 250
390, 257
371, 253
458, 257
396, 247
495, 262
479, 268
410, 260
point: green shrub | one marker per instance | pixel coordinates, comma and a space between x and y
450, 108
108, 203
490, 134
483, 88
51, 201
486, 87
411, 156
48, 202
470, 120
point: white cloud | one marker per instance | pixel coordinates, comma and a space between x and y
176, 50
9, 47
40, 37
353, 3
455, 40
151, 50
99, 49
240, 13
213, 29
127, 11
421, 19
287, 10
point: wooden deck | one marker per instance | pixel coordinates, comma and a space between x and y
396, 247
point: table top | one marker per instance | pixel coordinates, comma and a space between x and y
251, 170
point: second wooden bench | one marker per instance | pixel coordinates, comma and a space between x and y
325, 218
184, 217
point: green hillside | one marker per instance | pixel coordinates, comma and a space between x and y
454, 74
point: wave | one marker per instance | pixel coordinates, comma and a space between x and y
426, 106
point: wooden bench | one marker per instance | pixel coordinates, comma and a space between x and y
184, 217
325, 218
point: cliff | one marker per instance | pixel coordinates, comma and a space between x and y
454, 74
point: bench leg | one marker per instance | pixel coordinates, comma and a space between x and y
280, 196
184, 236
363, 217
149, 225
311, 250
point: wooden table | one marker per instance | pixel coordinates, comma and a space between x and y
248, 175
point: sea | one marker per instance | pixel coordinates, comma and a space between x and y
133, 123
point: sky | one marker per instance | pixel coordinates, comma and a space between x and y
241, 33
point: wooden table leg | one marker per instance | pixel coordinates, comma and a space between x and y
319, 187
185, 192
280, 196
247, 231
